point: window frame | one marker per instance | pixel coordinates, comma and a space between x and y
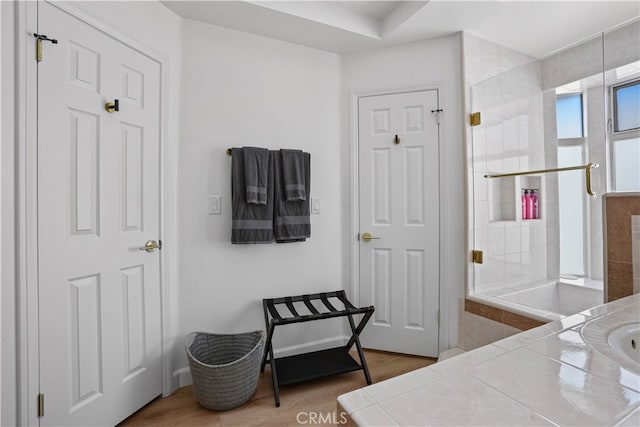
614, 135
613, 91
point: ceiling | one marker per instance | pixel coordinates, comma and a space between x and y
536, 28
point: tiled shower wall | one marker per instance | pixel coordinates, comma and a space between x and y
483, 60
509, 139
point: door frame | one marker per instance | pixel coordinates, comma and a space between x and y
354, 143
26, 327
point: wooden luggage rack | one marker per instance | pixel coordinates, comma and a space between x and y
317, 364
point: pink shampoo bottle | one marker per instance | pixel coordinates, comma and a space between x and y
535, 212
529, 205
525, 203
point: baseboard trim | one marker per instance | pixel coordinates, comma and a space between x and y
181, 378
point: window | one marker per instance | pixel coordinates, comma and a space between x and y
626, 161
571, 212
624, 136
571, 206
626, 106
569, 116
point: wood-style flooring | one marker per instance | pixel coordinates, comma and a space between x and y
302, 404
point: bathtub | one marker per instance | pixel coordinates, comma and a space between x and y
544, 301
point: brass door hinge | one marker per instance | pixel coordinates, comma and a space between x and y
40, 405
476, 256
474, 119
39, 39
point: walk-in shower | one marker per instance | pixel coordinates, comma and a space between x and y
551, 136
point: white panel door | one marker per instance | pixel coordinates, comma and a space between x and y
399, 207
98, 203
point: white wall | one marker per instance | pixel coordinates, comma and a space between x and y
240, 89
615, 47
420, 64
7, 230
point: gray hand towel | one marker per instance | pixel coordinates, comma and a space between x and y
293, 175
291, 222
251, 223
256, 167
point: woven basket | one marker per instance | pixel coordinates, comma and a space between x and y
224, 367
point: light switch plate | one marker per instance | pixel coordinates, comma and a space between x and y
215, 205
315, 205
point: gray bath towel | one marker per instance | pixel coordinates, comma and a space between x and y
250, 223
293, 176
291, 222
256, 168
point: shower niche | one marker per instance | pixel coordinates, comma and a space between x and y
507, 201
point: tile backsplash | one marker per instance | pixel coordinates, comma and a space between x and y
635, 251
622, 240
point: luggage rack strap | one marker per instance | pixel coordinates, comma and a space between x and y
310, 306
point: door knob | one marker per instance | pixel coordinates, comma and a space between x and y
367, 237
112, 106
151, 245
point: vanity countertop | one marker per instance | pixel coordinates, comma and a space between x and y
557, 374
